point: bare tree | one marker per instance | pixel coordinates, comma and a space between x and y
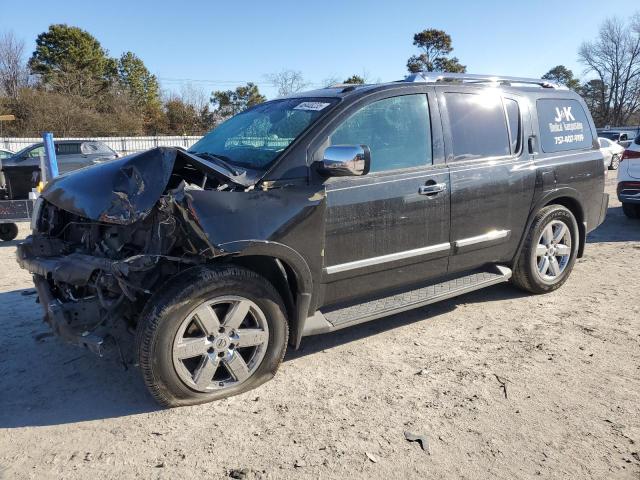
287, 82
13, 70
614, 57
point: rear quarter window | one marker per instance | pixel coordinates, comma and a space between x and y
564, 125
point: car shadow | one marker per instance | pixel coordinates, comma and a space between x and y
616, 228
317, 343
44, 381
12, 243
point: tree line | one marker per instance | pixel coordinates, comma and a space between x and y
70, 85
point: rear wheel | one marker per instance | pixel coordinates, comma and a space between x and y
615, 162
631, 210
211, 333
8, 231
549, 252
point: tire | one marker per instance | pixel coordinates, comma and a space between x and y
527, 273
615, 162
631, 210
163, 334
8, 231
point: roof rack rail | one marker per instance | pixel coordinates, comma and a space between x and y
435, 77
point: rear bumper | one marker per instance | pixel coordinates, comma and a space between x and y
603, 208
629, 192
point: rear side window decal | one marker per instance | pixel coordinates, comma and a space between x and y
563, 125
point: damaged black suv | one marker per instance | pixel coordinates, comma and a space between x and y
311, 213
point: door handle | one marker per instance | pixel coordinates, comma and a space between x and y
432, 189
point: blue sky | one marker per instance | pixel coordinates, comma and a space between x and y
218, 45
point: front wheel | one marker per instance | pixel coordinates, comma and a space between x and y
549, 252
211, 333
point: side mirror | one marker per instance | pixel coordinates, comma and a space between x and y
345, 160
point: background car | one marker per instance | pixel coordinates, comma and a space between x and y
612, 153
22, 170
629, 180
623, 138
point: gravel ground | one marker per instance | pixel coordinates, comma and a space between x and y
501, 385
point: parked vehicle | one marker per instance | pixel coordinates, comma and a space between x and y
622, 138
312, 213
22, 170
5, 153
612, 153
629, 180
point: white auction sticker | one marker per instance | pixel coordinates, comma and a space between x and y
314, 106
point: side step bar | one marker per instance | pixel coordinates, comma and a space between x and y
330, 320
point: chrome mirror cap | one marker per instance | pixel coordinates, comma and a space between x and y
345, 160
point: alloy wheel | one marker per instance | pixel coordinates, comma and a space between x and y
220, 344
553, 251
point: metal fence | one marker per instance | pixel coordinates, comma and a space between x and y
123, 145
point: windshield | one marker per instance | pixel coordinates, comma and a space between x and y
255, 138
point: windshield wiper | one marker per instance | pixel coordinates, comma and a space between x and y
220, 162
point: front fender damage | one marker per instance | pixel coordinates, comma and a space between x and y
109, 236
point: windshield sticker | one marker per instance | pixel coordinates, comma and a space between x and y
313, 106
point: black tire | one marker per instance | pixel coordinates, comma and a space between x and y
615, 162
8, 231
165, 311
525, 274
631, 210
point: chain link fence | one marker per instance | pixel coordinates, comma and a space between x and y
122, 145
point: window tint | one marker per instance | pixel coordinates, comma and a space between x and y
604, 143
67, 148
478, 125
397, 130
563, 125
513, 116
36, 152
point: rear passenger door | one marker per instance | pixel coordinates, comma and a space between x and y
492, 179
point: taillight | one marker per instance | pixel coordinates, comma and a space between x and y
627, 154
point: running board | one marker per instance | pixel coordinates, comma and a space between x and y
330, 320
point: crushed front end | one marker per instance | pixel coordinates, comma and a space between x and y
106, 237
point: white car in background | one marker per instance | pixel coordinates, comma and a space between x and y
629, 180
612, 152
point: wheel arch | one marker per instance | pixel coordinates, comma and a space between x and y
568, 198
286, 269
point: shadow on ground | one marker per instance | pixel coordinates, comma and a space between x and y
616, 228
326, 341
46, 382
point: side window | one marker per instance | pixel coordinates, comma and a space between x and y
36, 152
515, 127
397, 130
563, 125
478, 125
67, 148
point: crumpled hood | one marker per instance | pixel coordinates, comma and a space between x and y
121, 191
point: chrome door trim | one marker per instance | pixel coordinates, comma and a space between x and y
367, 262
487, 237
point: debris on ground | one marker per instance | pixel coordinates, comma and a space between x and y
420, 438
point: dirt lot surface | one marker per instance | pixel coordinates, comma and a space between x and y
501, 385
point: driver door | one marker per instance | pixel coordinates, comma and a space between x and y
390, 228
